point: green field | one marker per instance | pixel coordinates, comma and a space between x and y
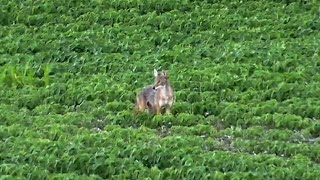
246, 76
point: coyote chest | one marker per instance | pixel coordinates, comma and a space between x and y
164, 96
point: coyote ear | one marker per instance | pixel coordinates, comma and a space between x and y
155, 73
165, 73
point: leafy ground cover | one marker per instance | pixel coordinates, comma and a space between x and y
246, 75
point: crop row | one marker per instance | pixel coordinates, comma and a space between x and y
213, 94
242, 78
125, 46
111, 114
82, 121
255, 140
21, 172
129, 34
122, 152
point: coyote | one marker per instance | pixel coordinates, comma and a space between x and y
158, 96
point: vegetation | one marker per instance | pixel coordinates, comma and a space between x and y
246, 76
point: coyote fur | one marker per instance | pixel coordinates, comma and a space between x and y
158, 96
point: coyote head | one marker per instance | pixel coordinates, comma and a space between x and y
161, 78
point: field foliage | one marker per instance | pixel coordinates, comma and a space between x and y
246, 76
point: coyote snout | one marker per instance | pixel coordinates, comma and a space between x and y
158, 96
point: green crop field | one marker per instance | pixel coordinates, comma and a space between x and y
246, 76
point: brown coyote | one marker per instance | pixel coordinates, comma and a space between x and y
157, 96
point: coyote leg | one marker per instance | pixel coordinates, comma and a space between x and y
151, 109
140, 104
168, 110
158, 110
